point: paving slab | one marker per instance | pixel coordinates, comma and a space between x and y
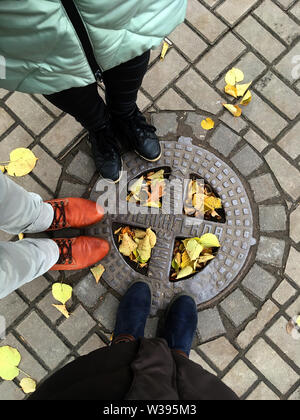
259, 282
240, 378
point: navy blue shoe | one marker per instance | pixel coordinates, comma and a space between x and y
181, 324
133, 312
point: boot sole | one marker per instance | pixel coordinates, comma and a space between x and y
149, 160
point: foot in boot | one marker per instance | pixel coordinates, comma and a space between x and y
74, 213
106, 153
181, 324
140, 135
133, 312
79, 253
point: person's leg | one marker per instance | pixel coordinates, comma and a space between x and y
122, 85
181, 324
133, 312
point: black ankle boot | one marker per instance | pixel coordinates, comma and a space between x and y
106, 153
139, 134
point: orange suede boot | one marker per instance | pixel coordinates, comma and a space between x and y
79, 253
75, 213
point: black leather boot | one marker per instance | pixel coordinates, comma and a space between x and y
140, 135
106, 153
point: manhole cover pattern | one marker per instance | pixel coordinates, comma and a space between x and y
235, 235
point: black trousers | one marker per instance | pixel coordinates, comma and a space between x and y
122, 84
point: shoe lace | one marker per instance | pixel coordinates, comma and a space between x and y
59, 214
65, 247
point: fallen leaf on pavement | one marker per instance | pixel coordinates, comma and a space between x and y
22, 162
208, 124
10, 359
62, 292
235, 110
28, 385
62, 309
234, 76
246, 99
98, 272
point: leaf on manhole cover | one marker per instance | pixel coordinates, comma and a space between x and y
148, 190
137, 244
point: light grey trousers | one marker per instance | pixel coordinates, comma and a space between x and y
23, 212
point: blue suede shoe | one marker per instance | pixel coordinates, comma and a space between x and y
133, 312
181, 324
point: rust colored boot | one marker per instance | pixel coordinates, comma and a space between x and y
79, 253
75, 213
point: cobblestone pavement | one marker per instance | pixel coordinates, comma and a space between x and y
242, 338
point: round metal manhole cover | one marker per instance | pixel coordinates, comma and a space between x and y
235, 231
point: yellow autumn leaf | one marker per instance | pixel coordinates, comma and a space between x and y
21, 236
154, 204
204, 258
209, 240
62, 309
166, 45
2, 168
234, 76
208, 124
242, 89
298, 321
185, 261
157, 175
194, 249
22, 162
152, 237
28, 385
185, 272
128, 246
98, 272
144, 249
62, 292
10, 359
246, 99
212, 203
136, 187
231, 90
235, 110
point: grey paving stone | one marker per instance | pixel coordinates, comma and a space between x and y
29, 112
263, 393
166, 123
264, 188
270, 251
107, 312
82, 167
236, 124
151, 327
33, 289
262, 112
281, 167
210, 324
171, 101
224, 140
163, 73
278, 21
237, 307
247, 161
194, 120
251, 65
290, 142
240, 378
295, 396
195, 88
203, 20
29, 184
295, 225
260, 39
62, 134
92, 344
278, 372
11, 307
277, 333
45, 305
295, 10
292, 267
69, 189
83, 322
28, 363
57, 112
194, 357
5, 121
47, 169
259, 282
272, 218
294, 308
285, 3
10, 392
255, 327
277, 92
88, 291
220, 56
220, 352
233, 10
256, 141
284, 292
41, 338
187, 41
287, 66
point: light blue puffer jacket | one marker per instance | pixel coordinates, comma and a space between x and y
40, 51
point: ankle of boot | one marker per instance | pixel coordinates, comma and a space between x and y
123, 338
